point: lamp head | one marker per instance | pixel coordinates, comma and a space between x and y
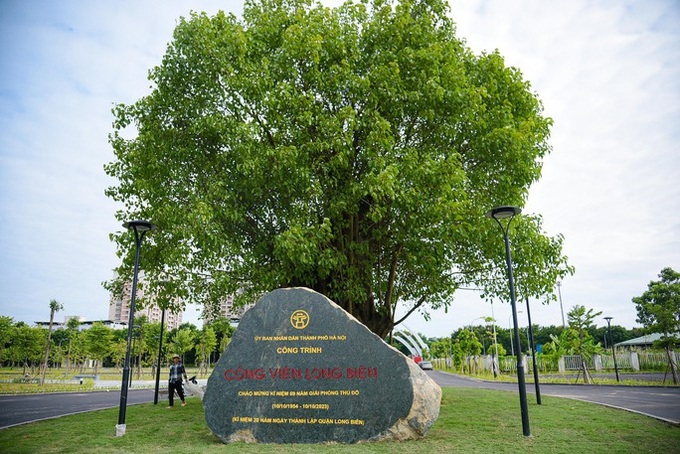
140, 226
609, 319
503, 212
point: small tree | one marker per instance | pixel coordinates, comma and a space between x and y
580, 320
141, 346
98, 343
206, 344
72, 329
55, 306
465, 347
183, 341
27, 345
659, 312
441, 348
6, 334
223, 332
496, 350
152, 334
118, 350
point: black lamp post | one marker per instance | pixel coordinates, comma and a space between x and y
158, 365
140, 228
533, 355
509, 212
611, 341
559, 293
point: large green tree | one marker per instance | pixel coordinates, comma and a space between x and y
658, 310
352, 150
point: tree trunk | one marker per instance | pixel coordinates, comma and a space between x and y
584, 368
68, 357
47, 348
673, 364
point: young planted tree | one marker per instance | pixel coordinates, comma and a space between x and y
55, 306
183, 341
118, 351
152, 336
98, 342
72, 329
352, 150
6, 334
580, 320
658, 310
27, 346
441, 348
207, 342
141, 346
223, 332
465, 347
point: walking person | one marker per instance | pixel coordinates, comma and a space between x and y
177, 371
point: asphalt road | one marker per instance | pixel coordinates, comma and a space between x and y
657, 402
24, 408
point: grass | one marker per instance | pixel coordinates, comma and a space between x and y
470, 421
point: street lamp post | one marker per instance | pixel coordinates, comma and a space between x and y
140, 228
494, 357
135, 334
512, 342
533, 355
474, 320
158, 366
611, 341
559, 293
512, 345
509, 212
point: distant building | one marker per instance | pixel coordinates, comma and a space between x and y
227, 310
119, 308
84, 324
642, 342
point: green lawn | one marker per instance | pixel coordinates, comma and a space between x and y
470, 421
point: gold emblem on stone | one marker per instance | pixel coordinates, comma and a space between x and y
299, 319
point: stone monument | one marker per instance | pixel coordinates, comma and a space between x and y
300, 369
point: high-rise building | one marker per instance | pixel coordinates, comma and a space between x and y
119, 307
227, 310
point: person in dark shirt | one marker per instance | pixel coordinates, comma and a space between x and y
175, 382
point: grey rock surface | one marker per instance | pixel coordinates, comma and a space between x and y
300, 369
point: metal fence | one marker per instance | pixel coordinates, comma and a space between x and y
654, 360
573, 362
630, 360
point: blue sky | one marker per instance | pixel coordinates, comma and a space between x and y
608, 73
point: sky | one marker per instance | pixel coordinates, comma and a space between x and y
607, 72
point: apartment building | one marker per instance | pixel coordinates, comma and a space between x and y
119, 308
227, 310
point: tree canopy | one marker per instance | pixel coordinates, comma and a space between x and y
658, 310
352, 150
